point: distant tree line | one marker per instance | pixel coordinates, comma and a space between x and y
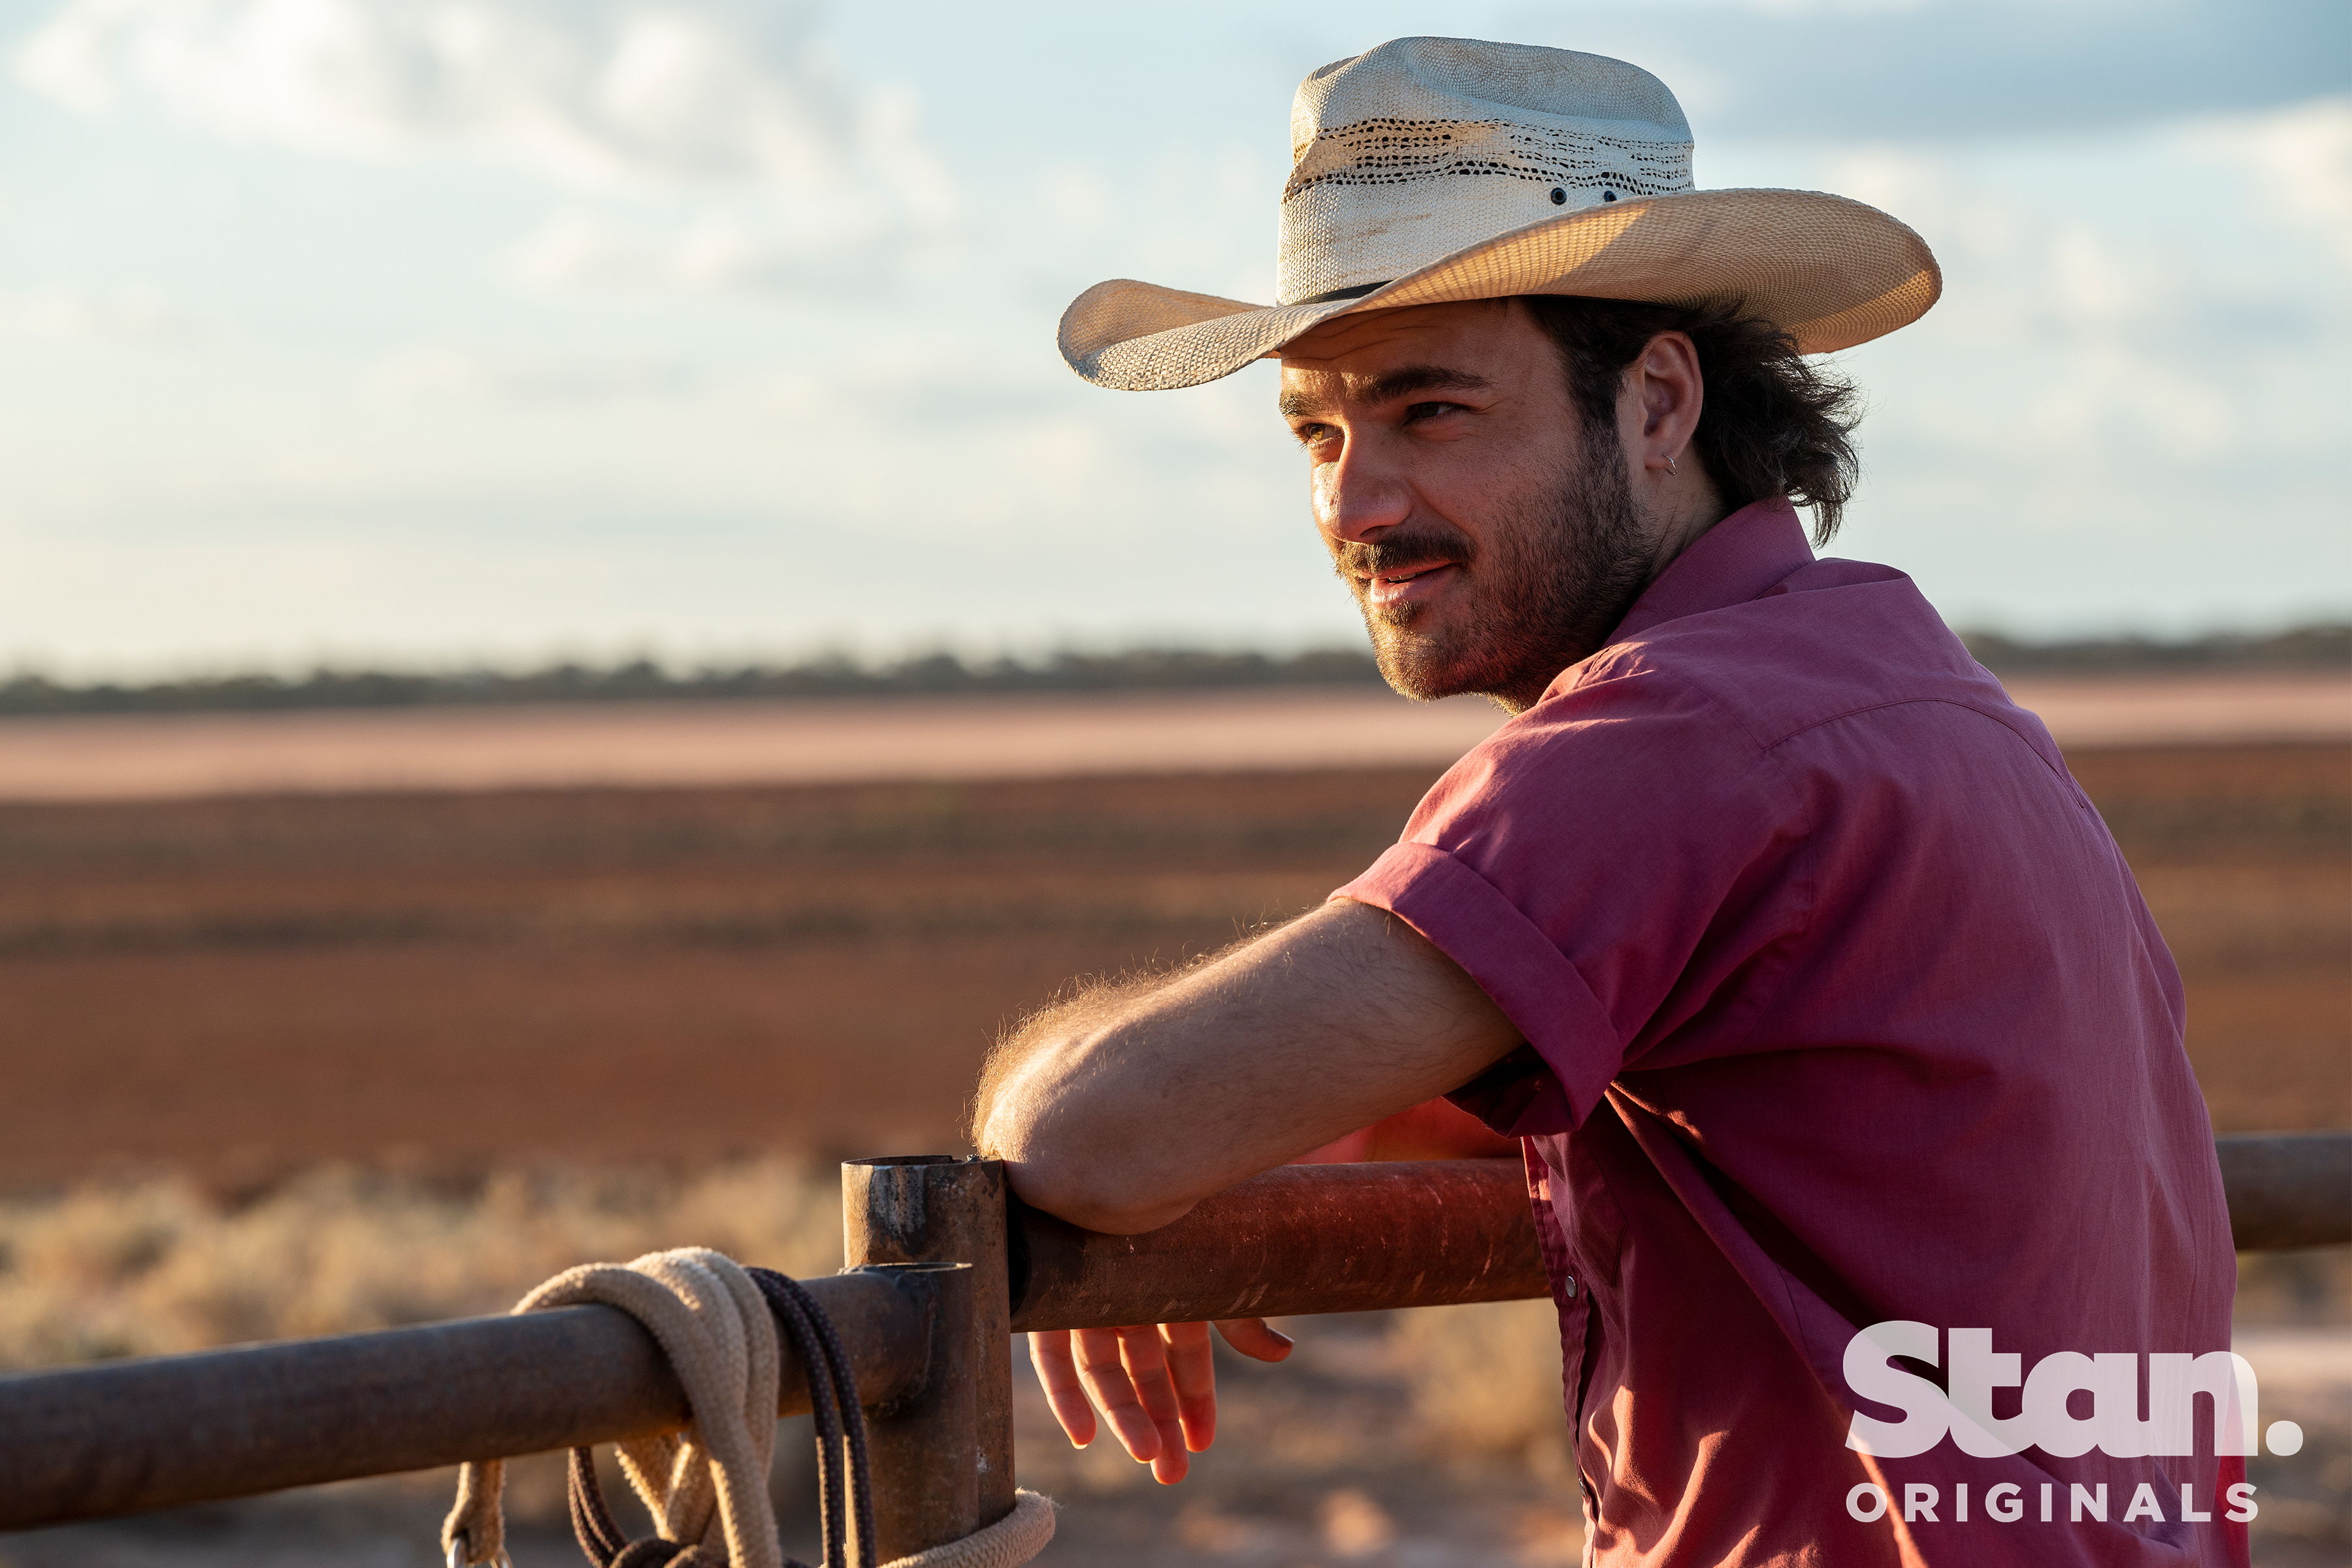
2325, 646
643, 680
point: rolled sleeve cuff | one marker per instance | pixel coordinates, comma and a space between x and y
1471, 922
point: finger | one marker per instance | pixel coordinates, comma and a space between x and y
1193, 1367
1144, 1353
1106, 1376
1254, 1339
1049, 1353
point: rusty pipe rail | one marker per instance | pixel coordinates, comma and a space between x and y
2287, 1189
125, 1436
1348, 1239
1301, 1239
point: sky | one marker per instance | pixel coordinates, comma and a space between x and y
433, 332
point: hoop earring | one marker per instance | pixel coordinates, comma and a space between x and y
1670, 466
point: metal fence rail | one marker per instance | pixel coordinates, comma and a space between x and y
930, 1341
125, 1436
2287, 1189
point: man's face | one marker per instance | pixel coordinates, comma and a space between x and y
1488, 534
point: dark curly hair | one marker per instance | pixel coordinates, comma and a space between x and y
1771, 424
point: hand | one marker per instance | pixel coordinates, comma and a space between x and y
1157, 1384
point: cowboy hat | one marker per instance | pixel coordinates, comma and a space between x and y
1430, 169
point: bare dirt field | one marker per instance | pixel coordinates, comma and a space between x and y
1047, 735
245, 985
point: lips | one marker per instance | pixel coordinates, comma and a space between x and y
1410, 585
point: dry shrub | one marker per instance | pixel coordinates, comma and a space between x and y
154, 1266
1486, 1380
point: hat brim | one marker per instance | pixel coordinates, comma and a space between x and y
1829, 271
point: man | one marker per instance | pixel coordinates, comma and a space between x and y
1845, 1058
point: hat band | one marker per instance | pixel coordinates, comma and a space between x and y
1358, 293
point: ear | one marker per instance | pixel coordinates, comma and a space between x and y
1659, 405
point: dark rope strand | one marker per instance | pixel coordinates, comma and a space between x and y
592, 1521
830, 1365
845, 1379
861, 1467
824, 1406
844, 1473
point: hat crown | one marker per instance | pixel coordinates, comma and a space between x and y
1415, 149
1437, 78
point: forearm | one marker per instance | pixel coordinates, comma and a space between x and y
1036, 1068
1122, 1109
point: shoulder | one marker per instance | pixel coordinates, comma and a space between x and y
1837, 641
1635, 750
1692, 719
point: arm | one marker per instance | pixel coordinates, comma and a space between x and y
1434, 1130
1121, 1109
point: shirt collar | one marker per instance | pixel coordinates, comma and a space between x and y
1734, 561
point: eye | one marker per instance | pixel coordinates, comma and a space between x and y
1312, 434
1421, 412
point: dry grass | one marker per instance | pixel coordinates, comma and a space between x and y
151, 1267
1485, 1381
156, 1265
1465, 1471
1428, 1438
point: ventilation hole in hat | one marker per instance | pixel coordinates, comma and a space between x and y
1608, 195
1559, 197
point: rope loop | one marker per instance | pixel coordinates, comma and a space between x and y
721, 1325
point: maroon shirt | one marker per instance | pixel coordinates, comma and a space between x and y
1840, 1008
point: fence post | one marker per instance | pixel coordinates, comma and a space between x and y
942, 1456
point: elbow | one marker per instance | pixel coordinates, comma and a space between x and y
1069, 1142
1092, 1194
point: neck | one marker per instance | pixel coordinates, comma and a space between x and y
1679, 509
1674, 515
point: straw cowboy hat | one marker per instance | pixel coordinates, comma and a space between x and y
1438, 169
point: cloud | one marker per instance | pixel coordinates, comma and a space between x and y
1833, 7
854, 251
136, 314
2017, 269
440, 372
592, 93
1967, 69
2300, 160
2077, 350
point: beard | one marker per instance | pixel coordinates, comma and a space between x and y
1560, 572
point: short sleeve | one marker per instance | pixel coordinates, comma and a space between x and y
1599, 866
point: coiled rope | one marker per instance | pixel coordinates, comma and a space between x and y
717, 1323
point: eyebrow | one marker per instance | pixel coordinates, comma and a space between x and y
1399, 383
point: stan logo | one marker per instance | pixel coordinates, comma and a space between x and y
2047, 1419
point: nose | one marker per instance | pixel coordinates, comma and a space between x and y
1359, 495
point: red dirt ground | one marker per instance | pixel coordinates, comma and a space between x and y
243, 986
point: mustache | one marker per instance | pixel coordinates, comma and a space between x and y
1397, 551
